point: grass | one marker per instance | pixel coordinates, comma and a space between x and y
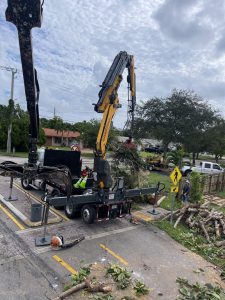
217, 207
154, 178
25, 154
222, 209
16, 154
87, 154
206, 158
194, 241
166, 204
221, 194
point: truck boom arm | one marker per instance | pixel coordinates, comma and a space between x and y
26, 15
108, 96
107, 104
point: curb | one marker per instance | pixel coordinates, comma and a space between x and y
23, 218
52, 209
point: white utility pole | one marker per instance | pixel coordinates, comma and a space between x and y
9, 138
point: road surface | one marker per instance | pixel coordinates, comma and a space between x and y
30, 272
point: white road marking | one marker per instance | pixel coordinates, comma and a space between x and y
91, 237
27, 230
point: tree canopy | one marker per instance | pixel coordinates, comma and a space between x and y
88, 129
183, 118
20, 128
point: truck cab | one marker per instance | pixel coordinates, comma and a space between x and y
205, 167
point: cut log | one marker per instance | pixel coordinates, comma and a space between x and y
169, 214
204, 231
220, 243
178, 220
72, 290
189, 219
160, 200
97, 287
223, 225
192, 209
217, 228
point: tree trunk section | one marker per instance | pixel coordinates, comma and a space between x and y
193, 158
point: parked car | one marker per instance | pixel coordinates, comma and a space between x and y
204, 167
154, 149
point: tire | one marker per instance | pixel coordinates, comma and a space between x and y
42, 186
187, 173
70, 211
88, 214
56, 193
26, 184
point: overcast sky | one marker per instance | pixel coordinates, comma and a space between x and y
176, 44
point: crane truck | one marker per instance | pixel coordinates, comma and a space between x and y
103, 200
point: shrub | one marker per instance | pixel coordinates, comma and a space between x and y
196, 188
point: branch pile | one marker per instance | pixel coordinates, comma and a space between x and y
209, 221
129, 157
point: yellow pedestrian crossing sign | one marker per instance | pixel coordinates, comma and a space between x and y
174, 189
175, 176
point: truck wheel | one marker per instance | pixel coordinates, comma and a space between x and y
26, 184
88, 214
71, 211
187, 173
56, 193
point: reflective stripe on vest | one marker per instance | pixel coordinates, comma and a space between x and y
83, 182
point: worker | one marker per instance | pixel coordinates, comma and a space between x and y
129, 144
186, 192
81, 183
75, 147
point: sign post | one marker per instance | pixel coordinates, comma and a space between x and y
175, 177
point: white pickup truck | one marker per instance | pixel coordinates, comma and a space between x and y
204, 167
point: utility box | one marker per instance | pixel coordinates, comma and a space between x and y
36, 212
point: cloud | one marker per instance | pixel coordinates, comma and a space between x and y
176, 44
180, 21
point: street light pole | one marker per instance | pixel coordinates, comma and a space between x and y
11, 110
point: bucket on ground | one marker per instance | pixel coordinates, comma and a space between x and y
36, 212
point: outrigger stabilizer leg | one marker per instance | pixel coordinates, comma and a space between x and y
153, 211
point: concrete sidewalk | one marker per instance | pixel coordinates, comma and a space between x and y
149, 214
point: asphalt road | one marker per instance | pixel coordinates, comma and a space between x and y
23, 274
30, 272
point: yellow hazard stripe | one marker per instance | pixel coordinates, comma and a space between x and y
40, 201
142, 216
122, 260
65, 265
12, 217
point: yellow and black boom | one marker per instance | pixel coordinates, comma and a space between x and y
107, 104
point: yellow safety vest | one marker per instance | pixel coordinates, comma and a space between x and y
81, 183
